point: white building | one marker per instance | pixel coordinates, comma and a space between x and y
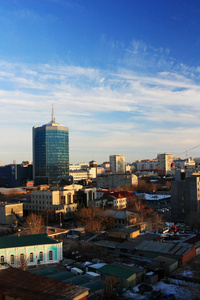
9, 212
147, 164
188, 163
80, 166
164, 161
33, 249
61, 199
117, 163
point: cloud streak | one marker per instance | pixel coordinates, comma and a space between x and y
117, 110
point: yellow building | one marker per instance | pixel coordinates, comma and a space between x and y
124, 232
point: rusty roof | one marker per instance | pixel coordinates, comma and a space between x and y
26, 285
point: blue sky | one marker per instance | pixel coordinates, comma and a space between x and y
123, 75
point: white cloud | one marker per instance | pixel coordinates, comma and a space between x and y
123, 110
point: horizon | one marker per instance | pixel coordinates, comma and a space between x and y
123, 76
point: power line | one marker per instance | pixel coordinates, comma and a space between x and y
189, 150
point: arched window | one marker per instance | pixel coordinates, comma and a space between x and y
50, 255
12, 259
2, 259
21, 258
41, 256
31, 257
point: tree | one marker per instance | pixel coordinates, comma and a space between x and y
35, 224
23, 264
94, 218
155, 221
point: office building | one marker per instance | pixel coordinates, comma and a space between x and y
185, 195
117, 163
165, 161
50, 153
15, 175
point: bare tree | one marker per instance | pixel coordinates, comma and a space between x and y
94, 219
35, 224
23, 264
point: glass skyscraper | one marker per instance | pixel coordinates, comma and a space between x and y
50, 153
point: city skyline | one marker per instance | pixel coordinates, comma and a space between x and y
123, 76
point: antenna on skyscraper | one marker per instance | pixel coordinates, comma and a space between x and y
52, 115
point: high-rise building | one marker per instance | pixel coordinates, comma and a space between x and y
50, 153
117, 163
185, 195
164, 161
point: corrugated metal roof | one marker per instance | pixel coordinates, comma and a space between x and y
26, 285
26, 240
168, 248
107, 244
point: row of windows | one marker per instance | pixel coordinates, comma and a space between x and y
41, 202
35, 207
41, 197
31, 257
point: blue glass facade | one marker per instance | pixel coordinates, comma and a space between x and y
50, 153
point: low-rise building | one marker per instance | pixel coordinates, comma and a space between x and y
30, 249
63, 200
123, 276
124, 232
23, 285
10, 212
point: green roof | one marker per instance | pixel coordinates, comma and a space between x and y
116, 271
46, 271
26, 240
94, 285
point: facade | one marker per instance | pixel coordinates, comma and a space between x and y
185, 196
15, 175
89, 173
147, 164
117, 163
164, 161
124, 233
50, 153
60, 200
114, 180
188, 163
10, 212
33, 249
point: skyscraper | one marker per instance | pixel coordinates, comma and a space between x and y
50, 153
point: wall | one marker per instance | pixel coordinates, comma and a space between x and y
55, 248
115, 180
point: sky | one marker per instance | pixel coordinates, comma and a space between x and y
123, 75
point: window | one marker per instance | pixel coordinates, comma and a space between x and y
50, 255
12, 259
41, 256
21, 258
2, 259
31, 257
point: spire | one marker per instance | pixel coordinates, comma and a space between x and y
52, 115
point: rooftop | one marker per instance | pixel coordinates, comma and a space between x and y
26, 240
24, 285
116, 271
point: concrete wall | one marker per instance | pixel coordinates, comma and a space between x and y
115, 180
